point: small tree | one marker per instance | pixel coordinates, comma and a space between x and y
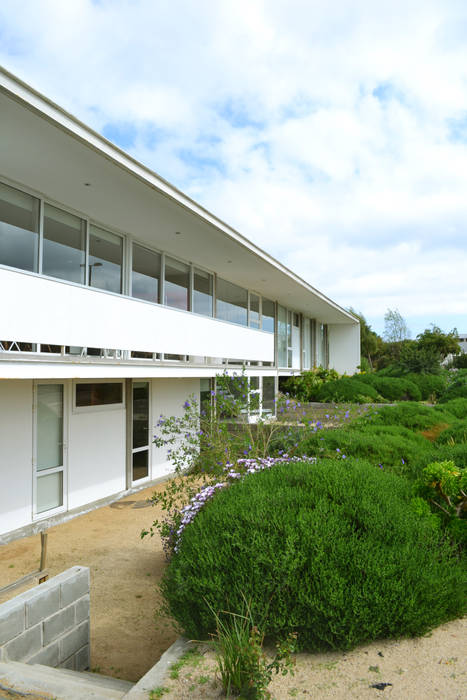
395, 327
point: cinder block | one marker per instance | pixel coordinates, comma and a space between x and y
47, 656
82, 659
68, 663
75, 587
11, 621
25, 645
74, 640
58, 624
82, 609
46, 602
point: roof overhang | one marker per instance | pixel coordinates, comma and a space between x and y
53, 154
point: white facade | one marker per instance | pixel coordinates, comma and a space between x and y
121, 297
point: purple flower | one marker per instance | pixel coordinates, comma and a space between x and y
186, 404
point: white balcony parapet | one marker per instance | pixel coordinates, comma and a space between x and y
42, 310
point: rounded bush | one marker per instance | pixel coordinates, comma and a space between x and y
334, 552
458, 407
430, 385
347, 389
410, 415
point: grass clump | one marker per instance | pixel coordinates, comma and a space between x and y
334, 552
409, 415
347, 389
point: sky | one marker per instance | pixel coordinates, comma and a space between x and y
332, 133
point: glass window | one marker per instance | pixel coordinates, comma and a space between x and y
307, 343
202, 293
321, 345
282, 336
231, 302
177, 284
140, 414
64, 245
105, 260
269, 390
268, 315
19, 229
99, 394
254, 311
146, 274
49, 491
49, 426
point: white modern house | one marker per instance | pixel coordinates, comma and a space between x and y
120, 297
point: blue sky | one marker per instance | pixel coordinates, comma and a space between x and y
333, 134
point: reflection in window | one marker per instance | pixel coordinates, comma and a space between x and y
282, 336
202, 292
105, 260
64, 245
231, 302
146, 273
19, 229
269, 390
268, 315
99, 394
254, 311
177, 284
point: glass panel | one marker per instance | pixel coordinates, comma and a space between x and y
202, 292
269, 390
99, 394
306, 343
205, 392
146, 274
19, 229
49, 426
177, 283
268, 315
231, 302
282, 336
105, 260
254, 383
64, 245
140, 464
254, 310
140, 414
321, 345
49, 491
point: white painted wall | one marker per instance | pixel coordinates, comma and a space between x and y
55, 312
96, 454
15, 454
344, 347
167, 399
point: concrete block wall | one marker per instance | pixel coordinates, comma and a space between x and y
49, 624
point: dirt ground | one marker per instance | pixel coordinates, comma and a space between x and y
125, 638
433, 667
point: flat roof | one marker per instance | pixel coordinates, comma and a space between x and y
56, 154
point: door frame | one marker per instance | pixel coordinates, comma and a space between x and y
130, 482
65, 437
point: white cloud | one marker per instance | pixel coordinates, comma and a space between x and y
320, 130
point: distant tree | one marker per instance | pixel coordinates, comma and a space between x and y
395, 327
369, 340
443, 343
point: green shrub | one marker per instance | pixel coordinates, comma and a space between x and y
305, 386
393, 388
397, 448
410, 415
460, 362
455, 434
457, 390
444, 486
347, 389
430, 385
334, 552
457, 407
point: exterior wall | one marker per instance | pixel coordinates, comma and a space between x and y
15, 453
344, 347
49, 624
167, 399
96, 454
92, 318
